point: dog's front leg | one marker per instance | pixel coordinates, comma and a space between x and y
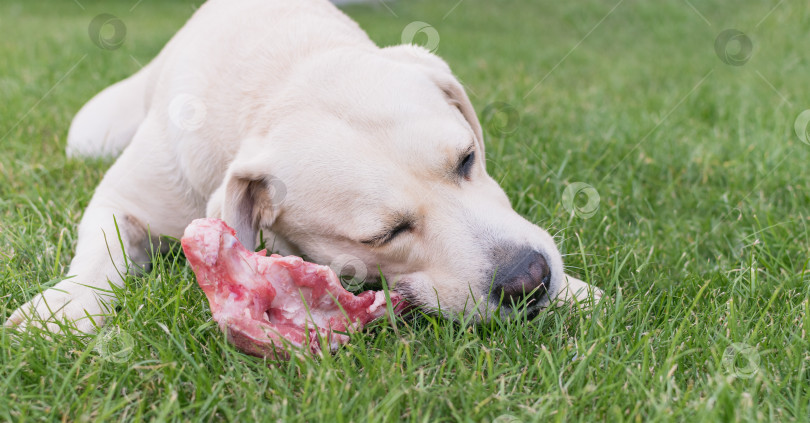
99, 262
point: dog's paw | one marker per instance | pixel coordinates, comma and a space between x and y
578, 292
588, 293
66, 306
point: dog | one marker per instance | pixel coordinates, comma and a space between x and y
286, 121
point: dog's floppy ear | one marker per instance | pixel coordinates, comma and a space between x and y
458, 97
251, 199
441, 74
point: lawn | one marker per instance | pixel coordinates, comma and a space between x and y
694, 220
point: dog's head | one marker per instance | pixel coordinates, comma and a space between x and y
376, 162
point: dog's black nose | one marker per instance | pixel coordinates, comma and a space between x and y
523, 281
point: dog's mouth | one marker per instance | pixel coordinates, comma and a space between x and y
527, 309
508, 304
533, 312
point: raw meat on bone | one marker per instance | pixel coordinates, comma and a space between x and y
268, 304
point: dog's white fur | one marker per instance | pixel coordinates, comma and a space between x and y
284, 117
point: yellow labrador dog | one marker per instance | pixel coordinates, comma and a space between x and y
284, 117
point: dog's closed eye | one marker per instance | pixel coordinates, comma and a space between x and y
379, 240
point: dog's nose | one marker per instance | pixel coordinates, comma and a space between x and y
523, 281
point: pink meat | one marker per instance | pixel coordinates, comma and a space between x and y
266, 305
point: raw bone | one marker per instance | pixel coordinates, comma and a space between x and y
269, 306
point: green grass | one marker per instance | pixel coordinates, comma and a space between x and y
700, 241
